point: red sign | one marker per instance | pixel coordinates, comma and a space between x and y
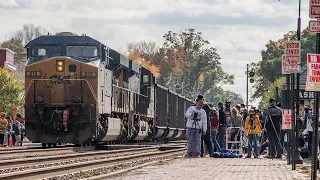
314, 9
286, 119
314, 26
313, 72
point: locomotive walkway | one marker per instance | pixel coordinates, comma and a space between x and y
220, 169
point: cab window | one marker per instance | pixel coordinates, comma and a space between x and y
45, 51
82, 51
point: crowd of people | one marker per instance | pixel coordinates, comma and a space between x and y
255, 130
11, 129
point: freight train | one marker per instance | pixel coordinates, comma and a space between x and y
80, 91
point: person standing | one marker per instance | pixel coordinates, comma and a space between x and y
214, 120
22, 128
273, 126
222, 126
253, 129
17, 132
207, 137
3, 127
196, 126
235, 124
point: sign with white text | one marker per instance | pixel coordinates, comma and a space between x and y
289, 64
314, 9
313, 72
314, 26
286, 119
291, 59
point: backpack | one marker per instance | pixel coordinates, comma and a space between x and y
214, 118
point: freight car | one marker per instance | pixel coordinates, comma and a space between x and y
80, 91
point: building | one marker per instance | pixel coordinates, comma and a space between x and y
7, 59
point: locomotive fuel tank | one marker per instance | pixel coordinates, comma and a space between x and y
61, 101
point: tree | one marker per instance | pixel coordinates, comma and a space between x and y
18, 40
200, 68
185, 62
271, 92
11, 90
29, 32
268, 70
137, 57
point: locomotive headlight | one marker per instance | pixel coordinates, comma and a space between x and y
60, 66
60, 63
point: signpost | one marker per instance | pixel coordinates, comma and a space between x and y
286, 119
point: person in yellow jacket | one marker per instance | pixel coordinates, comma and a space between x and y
3, 127
253, 129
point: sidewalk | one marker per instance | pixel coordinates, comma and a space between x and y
220, 169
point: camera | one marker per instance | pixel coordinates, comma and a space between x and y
227, 104
195, 116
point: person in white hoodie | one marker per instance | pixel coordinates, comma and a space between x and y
196, 126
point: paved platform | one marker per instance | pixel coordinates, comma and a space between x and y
216, 168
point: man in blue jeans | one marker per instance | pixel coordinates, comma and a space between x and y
196, 126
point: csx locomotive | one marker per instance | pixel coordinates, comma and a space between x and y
80, 91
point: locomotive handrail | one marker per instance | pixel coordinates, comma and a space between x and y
129, 90
89, 85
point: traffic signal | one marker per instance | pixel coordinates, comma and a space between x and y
251, 75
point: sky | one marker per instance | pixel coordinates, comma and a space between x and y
239, 29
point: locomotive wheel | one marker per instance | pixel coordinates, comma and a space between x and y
49, 145
44, 145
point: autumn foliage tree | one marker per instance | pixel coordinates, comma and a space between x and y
11, 90
145, 62
185, 62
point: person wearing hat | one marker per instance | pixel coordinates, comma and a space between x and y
273, 117
196, 127
253, 129
3, 127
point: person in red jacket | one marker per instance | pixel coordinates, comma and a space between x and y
214, 118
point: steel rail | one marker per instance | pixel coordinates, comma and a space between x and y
76, 167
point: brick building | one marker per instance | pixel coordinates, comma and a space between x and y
7, 59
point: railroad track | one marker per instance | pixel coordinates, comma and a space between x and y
29, 153
82, 165
7, 154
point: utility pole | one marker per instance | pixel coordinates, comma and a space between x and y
298, 159
247, 99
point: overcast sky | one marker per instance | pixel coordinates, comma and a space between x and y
239, 29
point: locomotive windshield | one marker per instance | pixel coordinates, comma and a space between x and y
87, 52
45, 51
40, 52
